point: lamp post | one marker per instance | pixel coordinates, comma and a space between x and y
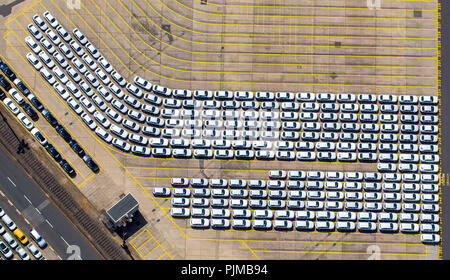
22, 144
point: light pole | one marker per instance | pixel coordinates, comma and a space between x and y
22, 144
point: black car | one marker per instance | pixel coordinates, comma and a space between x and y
53, 152
36, 103
23, 88
8, 72
77, 148
30, 112
2, 94
4, 83
91, 164
63, 133
50, 118
69, 169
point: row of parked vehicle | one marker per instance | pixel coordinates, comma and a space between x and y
311, 200
13, 236
83, 56
38, 135
428, 235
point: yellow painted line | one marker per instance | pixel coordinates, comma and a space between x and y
230, 72
267, 34
195, 169
161, 256
246, 44
282, 25
319, 241
151, 238
144, 231
253, 252
308, 7
335, 252
211, 81
314, 7
150, 252
87, 180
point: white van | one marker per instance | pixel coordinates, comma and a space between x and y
10, 240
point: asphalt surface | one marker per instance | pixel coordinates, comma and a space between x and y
445, 128
43, 215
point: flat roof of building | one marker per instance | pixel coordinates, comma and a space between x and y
123, 207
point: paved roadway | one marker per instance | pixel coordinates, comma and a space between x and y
43, 215
445, 129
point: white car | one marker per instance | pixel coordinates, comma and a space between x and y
75, 106
53, 37
62, 77
39, 22
430, 238
79, 65
77, 48
324, 226
118, 78
103, 134
93, 50
102, 76
64, 34
89, 121
262, 224
282, 225
34, 31
38, 136
102, 119
134, 90
33, 45
80, 36
51, 19
161, 192
22, 253
87, 105
180, 212
34, 61
25, 121
61, 60
11, 106
34, 251
141, 82
124, 146
105, 65
199, 223
92, 79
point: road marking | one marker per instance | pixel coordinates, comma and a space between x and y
64, 241
43, 204
11, 182
49, 223
28, 199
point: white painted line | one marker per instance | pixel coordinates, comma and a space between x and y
38, 210
49, 223
27, 199
64, 240
14, 184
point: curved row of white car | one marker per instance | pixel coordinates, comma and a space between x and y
82, 57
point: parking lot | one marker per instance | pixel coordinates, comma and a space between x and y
242, 47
